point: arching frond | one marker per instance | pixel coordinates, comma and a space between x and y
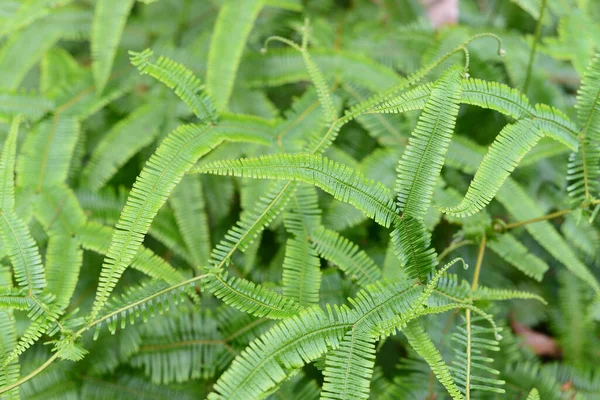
130, 134
252, 298
496, 96
176, 155
411, 241
179, 78
515, 253
413, 99
110, 17
424, 157
511, 145
342, 182
232, 28
32, 105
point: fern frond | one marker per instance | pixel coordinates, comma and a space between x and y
469, 366
423, 159
96, 237
515, 253
46, 154
422, 344
556, 125
176, 155
346, 255
533, 395
130, 134
22, 50
511, 145
142, 301
29, 12
411, 241
252, 223
190, 213
176, 76
110, 17
492, 294
301, 271
252, 298
584, 167
349, 368
23, 253
7, 168
180, 348
523, 207
412, 99
8, 341
64, 259
496, 96
32, 105
231, 31
341, 181
58, 210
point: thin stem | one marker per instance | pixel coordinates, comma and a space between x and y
479, 262
452, 247
536, 39
537, 219
31, 375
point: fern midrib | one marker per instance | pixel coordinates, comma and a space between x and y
506, 99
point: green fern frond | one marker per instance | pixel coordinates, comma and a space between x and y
96, 237
515, 253
533, 395
252, 223
7, 167
470, 369
8, 341
231, 31
110, 17
424, 157
176, 155
179, 78
22, 50
47, 152
131, 134
252, 298
492, 294
190, 213
584, 166
64, 259
349, 368
23, 253
556, 125
411, 241
167, 342
301, 271
32, 105
496, 96
523, 207
511, 145
412, 99
29, 12
346, 255
422, 344
341, 181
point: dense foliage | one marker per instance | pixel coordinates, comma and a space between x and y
240, 199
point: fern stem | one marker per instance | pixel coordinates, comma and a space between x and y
452, 247
536, 39
537, 219
30, 375
479, 262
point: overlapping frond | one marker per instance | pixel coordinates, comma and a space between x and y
176, 155
179, 78
110, 17
232, 28
514, 252
344, 183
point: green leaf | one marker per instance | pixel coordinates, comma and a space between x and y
110, 17
7, 168
231, 31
